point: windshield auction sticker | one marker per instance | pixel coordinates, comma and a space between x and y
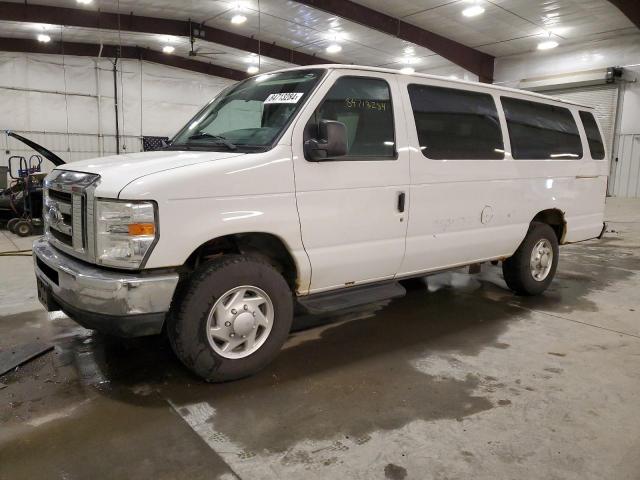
292, 97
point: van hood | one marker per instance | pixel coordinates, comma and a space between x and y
116, 171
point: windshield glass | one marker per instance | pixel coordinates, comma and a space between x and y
252, 113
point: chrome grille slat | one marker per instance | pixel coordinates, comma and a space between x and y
64, 208
76, 225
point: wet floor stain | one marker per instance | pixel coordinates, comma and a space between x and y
348, 376
395, 472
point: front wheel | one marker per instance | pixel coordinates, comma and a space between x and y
232, 318
532, 267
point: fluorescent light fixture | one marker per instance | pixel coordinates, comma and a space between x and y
547, 45
84, 2
252, 70
389, 144
238, 19
334, 48
168, 49
44, 38
334, 36
407, 70
473, 11
408, 60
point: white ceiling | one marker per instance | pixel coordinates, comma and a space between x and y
506, 27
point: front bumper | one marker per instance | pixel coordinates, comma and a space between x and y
124, 304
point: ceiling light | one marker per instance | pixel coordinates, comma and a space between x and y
168, 49
473, 11
407, 70
84, 2
44, 38
547, 45
238, 19
408, 60
334, 48
409, 50
252, 70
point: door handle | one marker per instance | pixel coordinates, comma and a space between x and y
401, 199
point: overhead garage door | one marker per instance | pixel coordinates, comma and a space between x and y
604, 98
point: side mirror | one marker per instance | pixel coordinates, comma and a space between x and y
332, 142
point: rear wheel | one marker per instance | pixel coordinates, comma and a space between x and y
231, 319
532, 267
23, 228
12, 223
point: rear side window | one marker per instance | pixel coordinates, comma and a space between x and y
363, 104
456, 124
596, 147
539, 131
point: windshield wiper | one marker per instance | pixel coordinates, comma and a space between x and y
220, 139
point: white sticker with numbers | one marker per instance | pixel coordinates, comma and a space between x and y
284, 97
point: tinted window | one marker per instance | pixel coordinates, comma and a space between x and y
364, 106
539, 131
456, 124
593, 135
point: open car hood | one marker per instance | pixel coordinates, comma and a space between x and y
48, 154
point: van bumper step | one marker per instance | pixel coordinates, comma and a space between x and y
326, 302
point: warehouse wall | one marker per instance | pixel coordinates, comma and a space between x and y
623, 51
154, 100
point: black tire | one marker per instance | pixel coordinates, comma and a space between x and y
517, 270
23, 228
12, 223
186, 325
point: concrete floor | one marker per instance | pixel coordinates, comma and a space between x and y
460, 379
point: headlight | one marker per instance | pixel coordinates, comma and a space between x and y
125, 232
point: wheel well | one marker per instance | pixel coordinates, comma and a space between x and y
555, 219
257, 244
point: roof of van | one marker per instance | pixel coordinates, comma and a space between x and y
434, 77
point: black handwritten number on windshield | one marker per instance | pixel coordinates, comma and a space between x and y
363, 104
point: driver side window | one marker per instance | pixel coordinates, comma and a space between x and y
364, 106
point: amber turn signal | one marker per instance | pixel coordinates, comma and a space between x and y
136, 229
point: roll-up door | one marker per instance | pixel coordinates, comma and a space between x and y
604, 98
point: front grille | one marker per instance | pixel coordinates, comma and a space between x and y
61, 196
68, 210
59, 212
61, 237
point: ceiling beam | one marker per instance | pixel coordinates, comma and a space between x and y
631, 8
27, 45
466, 57
73, 17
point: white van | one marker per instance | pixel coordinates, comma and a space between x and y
317, 188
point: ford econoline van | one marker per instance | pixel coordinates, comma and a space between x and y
317, 188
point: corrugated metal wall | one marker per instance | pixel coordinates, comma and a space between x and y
625, 180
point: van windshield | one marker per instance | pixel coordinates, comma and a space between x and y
249, 115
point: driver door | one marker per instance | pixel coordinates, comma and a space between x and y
353, 208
